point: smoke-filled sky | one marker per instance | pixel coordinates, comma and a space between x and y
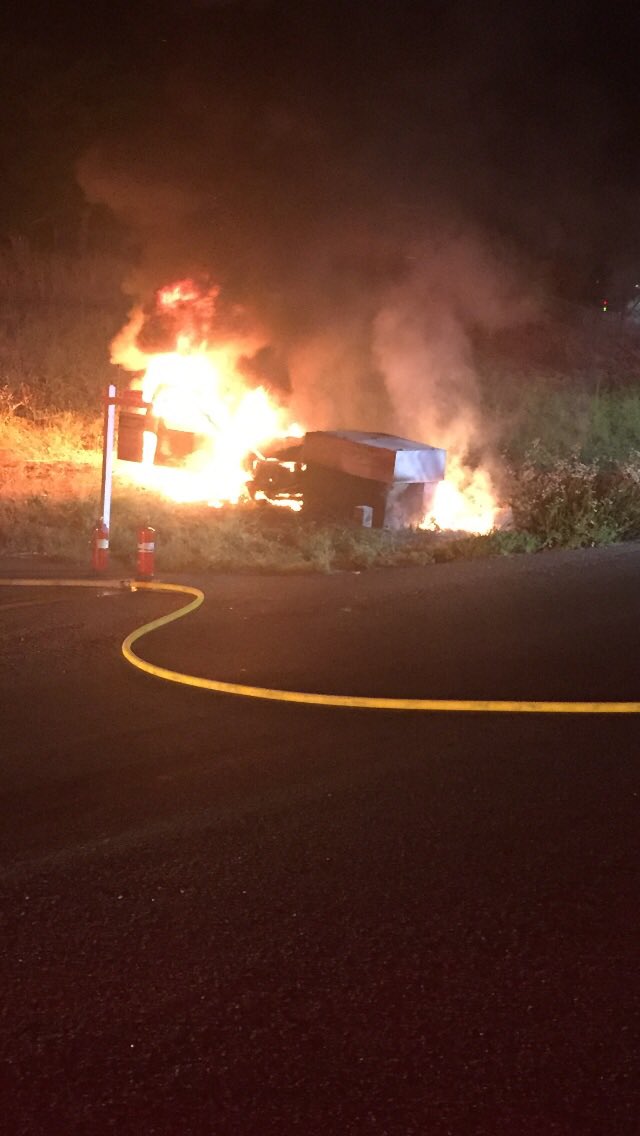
261, 119
341, 169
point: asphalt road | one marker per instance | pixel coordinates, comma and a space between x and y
230, 917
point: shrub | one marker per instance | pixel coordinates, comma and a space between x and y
572, 503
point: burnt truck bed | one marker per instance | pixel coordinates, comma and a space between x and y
338, 471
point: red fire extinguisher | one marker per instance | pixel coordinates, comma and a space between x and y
100, 547
146, 553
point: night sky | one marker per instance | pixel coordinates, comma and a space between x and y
250, 137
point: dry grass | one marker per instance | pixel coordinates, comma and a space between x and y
58, 314
195, 537
50, 509
65, 437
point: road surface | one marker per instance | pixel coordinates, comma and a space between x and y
232, 917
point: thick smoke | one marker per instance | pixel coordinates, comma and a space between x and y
324, 212
367, 327
421, 338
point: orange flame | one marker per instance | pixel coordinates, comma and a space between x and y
178, 293
197, 388
464, 502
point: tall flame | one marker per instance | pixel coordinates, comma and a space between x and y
190, 371
194, 383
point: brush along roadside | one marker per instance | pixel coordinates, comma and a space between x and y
50, 511
243, 538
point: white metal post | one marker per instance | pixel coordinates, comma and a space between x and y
108, 436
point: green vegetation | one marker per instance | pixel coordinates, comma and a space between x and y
566, 387
555, 422
572, 504
560, 401
194, 537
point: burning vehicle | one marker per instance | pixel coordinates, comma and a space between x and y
381, 480
204, 421
200, 403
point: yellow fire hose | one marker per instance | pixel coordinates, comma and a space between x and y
351, 701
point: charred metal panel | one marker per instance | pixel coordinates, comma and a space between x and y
329, 494
394, 477
379, 457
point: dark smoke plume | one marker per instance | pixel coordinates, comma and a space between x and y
368, 187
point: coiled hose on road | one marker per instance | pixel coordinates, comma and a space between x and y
343, 701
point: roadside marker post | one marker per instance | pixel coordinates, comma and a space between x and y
108, 438
100, 537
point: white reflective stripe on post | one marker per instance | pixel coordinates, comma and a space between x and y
107, 454
146, 547
102, 543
